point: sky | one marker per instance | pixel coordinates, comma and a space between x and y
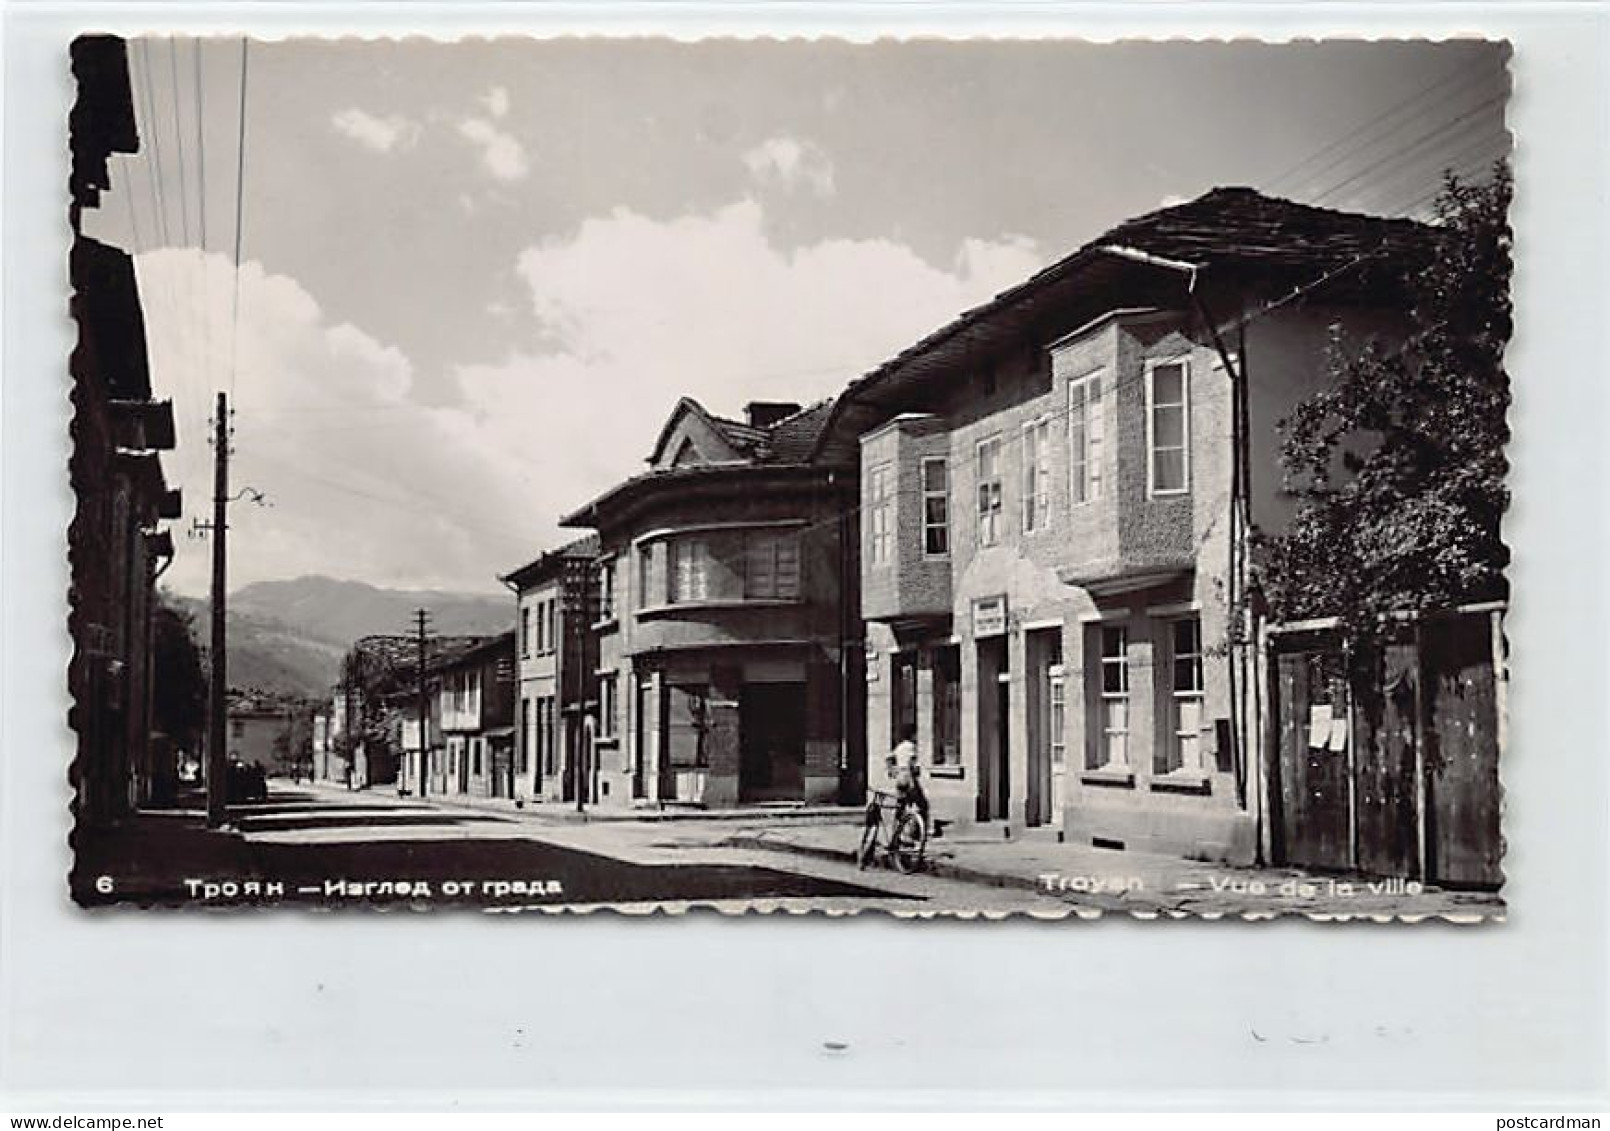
474, 278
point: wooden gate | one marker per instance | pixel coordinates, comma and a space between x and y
1313, 799
1389, 765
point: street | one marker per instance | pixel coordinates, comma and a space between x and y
320, 845
326, 847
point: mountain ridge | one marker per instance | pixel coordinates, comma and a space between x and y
288, 636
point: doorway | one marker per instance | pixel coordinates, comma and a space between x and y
771, 742
994, 730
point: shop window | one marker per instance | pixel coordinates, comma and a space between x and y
1057, 703
1183, 746
687, 725
1109, 748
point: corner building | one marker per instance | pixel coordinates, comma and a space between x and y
1047, 487
728, 634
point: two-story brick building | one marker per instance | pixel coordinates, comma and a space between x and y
556, 653
1056, 495
728, 637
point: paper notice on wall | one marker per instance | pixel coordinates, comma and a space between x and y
1338, 735
1319, 720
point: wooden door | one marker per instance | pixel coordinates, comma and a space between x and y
1384, 745
1463, 840
1314, 802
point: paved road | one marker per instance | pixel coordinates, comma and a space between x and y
329, 848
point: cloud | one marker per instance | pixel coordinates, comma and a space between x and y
380, 134
365, 481
501, 153
642, 311
496, 101
370, 481
789, 163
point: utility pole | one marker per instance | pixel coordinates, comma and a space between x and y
421, 620
217, 762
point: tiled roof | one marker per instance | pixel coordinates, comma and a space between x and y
1234, 230
543, 564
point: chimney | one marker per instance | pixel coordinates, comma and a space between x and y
763, 414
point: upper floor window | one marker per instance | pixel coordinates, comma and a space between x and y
525, 630
1168, 428
1036, 475
935, 507
771, 566
553, 623
880, 515
606, 590
754, 565
645, 577
1085, 435
989, 491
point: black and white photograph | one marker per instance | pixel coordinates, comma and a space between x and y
931, 477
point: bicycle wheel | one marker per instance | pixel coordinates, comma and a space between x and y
910, 841
868, 851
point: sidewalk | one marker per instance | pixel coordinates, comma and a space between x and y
1120, 880
1087, 877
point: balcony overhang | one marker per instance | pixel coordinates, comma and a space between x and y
1114, 578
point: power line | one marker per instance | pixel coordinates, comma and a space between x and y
1457, 79
240, 194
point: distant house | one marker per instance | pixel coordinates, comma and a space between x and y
728, 671
556, 653
254, 732
470, 722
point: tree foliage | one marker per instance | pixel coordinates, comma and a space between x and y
1399, 463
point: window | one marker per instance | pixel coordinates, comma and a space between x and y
989, 491
686, 724
1036, 475
1110, 749
552, 620
1183, 750
771, 566
1168, 432
525, 631
475, 756
735, 566
880, 518
523, 746
546, 743
237, 728
1085, 434
1057, 701
935, 507
607, 704
645, 576
606, 591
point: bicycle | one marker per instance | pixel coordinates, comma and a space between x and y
896, 828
